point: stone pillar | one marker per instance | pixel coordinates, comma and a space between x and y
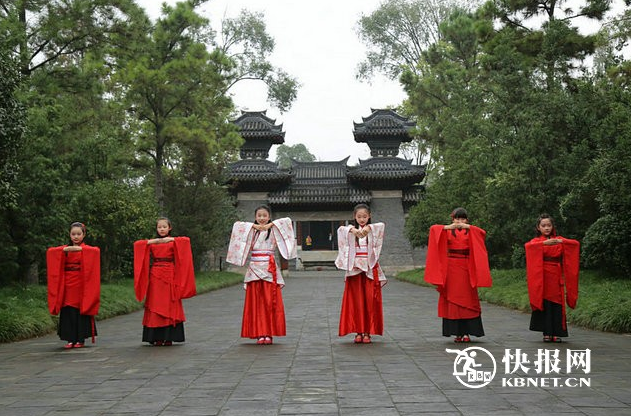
387, 207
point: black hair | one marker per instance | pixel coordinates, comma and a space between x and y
168, 222
459, 213
542, 217
269, 211
81, 225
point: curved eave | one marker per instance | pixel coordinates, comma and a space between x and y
413, 195
259, 171
361, 135
411, 177
387, 169
319, 196
273, 137
259, 177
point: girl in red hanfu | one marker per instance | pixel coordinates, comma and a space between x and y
263, 310
163, 276
359, 247
74, 287
457, 263
552, 264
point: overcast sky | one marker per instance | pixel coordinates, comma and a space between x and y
316, 42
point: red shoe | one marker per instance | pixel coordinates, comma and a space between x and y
260, 341
79, 345
268, 341
69, 345
158, 343
366, 339
458, 339
358, 339
466, 338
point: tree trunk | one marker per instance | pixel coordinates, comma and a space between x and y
159, 185
32, 274
24, 55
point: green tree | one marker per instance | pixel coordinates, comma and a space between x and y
176, 87
12, 127
601, 198
398, 32
173, 88
65, 51
298, 152
502, 110
246, 42
42, 32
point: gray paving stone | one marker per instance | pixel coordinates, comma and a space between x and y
311, 371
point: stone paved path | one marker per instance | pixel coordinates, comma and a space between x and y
311, 371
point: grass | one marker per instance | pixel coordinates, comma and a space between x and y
24, 310
604, 303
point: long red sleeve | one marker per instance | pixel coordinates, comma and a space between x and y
55, 282
141, 269
571, 261
184, 273
91, 269
534, 272
436, 260
479, 271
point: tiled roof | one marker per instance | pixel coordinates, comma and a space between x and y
386, 169
319, 195
257, 170
320, 173
319, 183
382, 123
413, 194
256, 125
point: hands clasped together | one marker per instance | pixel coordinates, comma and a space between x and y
458, 226
73, 248
160, 240
552, 241
361, 232
262, 227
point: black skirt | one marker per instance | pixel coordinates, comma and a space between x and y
549, 320
164, 333
74, 327
460, 327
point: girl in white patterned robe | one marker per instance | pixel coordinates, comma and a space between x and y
263, 311
359, 248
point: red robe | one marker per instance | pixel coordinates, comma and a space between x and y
457, 277
552, 272
164, 283
79, 288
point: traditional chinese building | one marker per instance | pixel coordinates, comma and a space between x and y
320, 196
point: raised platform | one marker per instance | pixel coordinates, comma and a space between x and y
317, 259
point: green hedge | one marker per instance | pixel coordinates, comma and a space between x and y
24, 310
604, 303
